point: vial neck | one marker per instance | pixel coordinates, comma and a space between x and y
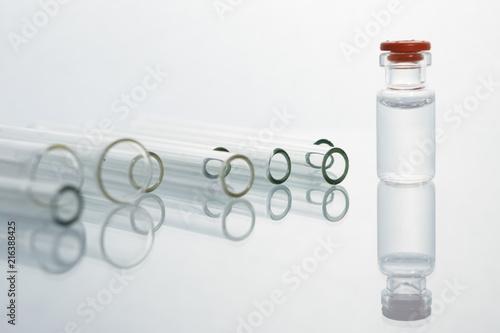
405, 77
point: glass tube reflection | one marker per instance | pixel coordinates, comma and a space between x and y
42, 243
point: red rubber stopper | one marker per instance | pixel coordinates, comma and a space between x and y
405, 50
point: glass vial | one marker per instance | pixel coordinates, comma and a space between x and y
405, 114
406, 248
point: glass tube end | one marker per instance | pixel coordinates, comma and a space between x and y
66, 205
124, 171
232, 187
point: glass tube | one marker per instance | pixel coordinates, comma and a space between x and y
243, 136
306, 160
22, 198
189, 159
155, 160
299, 164
194, 162
107, 161
244, 140
273, 163
36, 161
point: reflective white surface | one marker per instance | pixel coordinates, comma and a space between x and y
246, 70
196, 282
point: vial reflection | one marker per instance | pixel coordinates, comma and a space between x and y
406, 248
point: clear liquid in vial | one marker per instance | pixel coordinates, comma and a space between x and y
405, 141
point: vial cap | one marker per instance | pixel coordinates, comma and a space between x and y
405, 46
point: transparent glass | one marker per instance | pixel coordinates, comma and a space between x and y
277, 162
118, 168
234, 172
406, 122
203, 208
122, 235
406, 247
46, 201
247, 138
40, 162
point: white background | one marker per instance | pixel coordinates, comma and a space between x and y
237, 68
